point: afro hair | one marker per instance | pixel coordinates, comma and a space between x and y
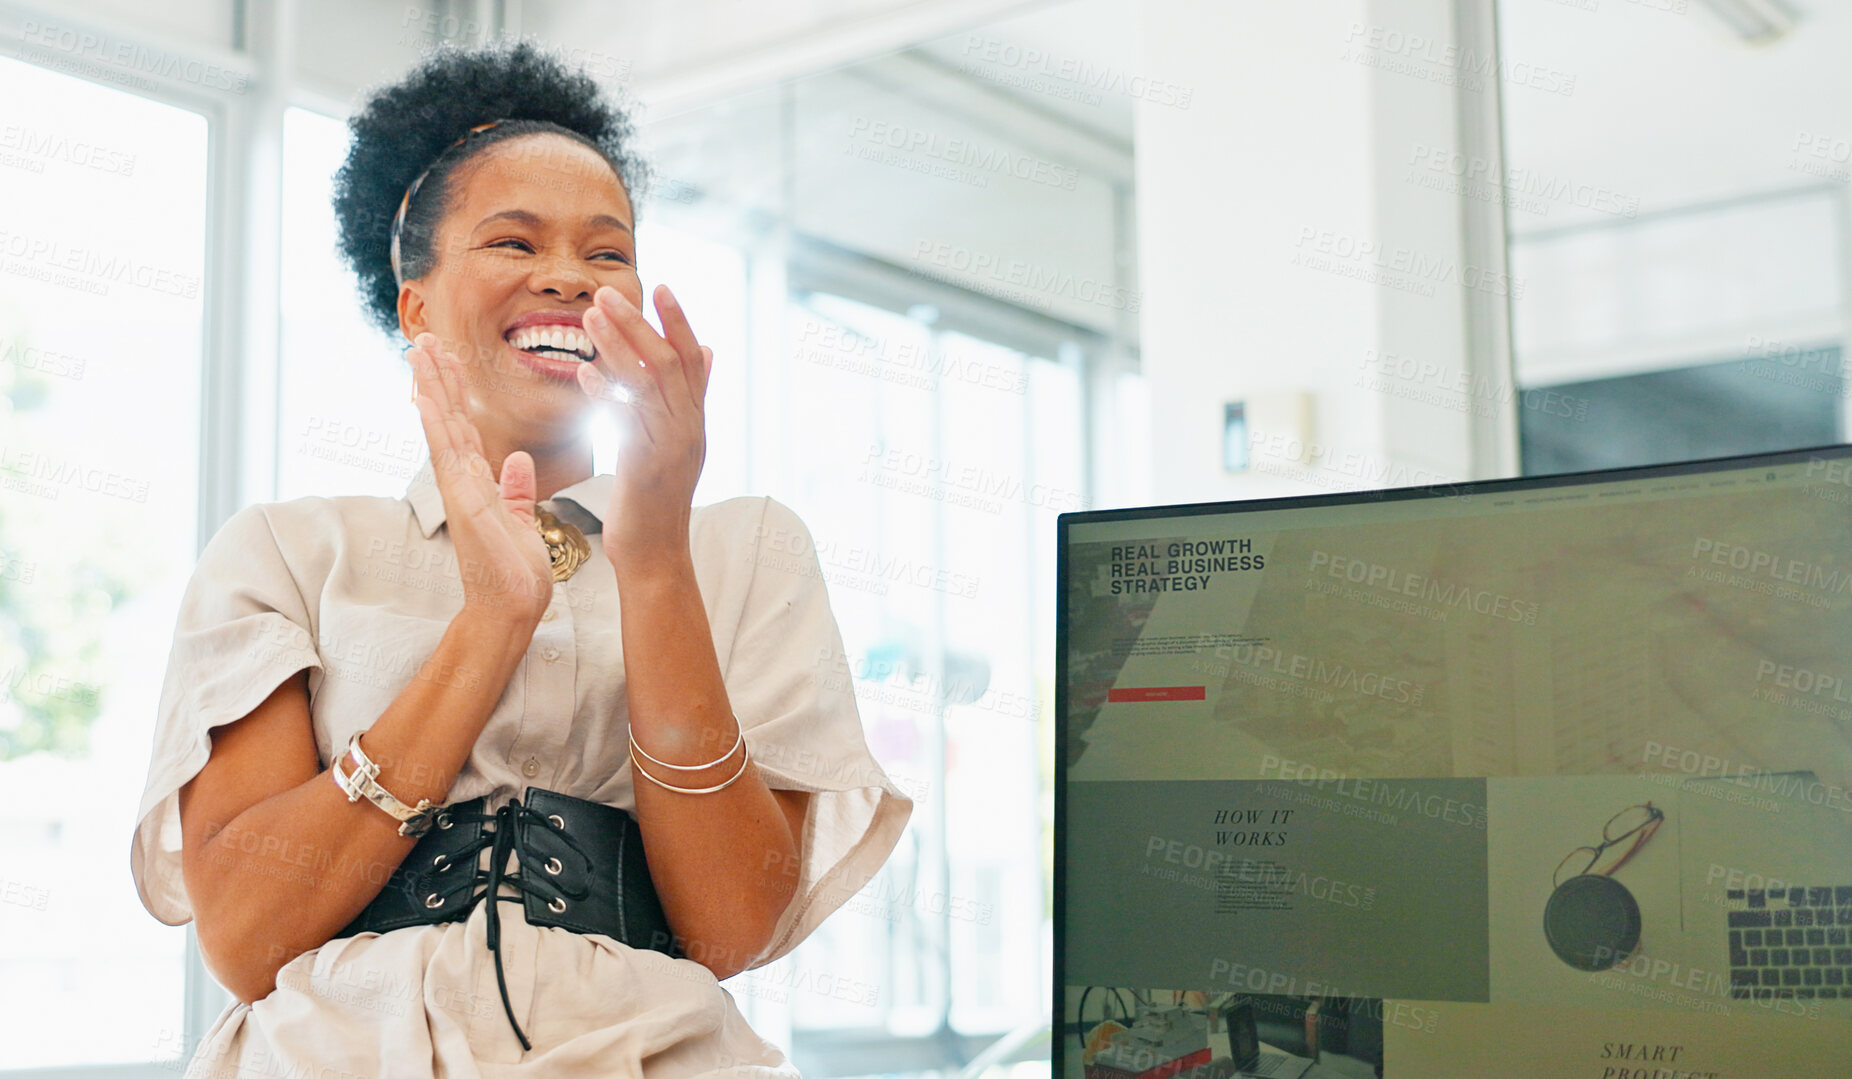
414, 124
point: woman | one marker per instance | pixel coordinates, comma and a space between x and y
396, 735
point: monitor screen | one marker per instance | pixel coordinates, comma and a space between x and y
1547, 774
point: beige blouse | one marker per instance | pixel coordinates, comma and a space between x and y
359, 590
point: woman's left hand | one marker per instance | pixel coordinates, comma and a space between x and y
662, 426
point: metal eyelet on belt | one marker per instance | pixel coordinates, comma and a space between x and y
433, 901
439, 863
553, 866
558, 821
557, 905
443, 820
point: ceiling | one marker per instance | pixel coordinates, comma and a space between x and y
1074, 36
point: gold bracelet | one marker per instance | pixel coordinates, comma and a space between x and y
745, 759
690, 767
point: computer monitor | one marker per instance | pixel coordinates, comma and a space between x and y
1357, 746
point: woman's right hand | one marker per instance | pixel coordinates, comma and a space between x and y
502, 558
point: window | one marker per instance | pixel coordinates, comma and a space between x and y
346, 424
930, 470
102, 214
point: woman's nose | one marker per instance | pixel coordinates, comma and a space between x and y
563, 277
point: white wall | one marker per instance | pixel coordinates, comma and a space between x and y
1284, 249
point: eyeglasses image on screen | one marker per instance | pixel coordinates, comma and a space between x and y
1635, 823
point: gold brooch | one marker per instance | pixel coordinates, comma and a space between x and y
567, 547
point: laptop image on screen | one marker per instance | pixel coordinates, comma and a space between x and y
1273, 1064
1251, 1056
1766, 893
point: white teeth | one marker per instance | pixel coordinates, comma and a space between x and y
564, 338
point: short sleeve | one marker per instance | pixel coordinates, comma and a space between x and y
789, 684
243, 629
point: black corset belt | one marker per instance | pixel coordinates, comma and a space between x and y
581, 867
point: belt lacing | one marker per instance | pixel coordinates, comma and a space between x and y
499, 832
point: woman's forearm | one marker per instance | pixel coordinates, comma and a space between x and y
286, 873
721, 862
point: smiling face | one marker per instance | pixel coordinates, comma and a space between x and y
535, 225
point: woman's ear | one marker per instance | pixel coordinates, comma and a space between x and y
412, 320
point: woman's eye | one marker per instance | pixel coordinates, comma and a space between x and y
616, 255
522, 244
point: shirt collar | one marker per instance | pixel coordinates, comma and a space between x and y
592, 494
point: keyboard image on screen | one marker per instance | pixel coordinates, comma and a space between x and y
1791, 943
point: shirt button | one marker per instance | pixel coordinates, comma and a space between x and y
550, 653
531, 768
